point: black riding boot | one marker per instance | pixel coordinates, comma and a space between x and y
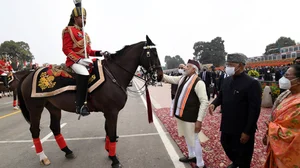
5, 81
81, 95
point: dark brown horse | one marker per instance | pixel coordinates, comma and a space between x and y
108, 98
13, 85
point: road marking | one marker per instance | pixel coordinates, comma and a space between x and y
10, 114
84, 138
8, 102
168, 145
50, 134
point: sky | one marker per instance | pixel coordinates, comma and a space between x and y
247, 26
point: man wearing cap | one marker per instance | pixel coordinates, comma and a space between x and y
5, 68
240, 100
73, 48
189, 108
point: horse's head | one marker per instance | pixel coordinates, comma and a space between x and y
17, 77
150, 61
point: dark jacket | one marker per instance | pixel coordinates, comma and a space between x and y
207, 79
240, 100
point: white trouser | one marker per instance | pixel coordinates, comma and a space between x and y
4, 74
80, 69
196, 150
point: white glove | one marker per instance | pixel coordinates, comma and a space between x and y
6, 72
85, 62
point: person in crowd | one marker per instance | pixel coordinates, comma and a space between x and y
206, 77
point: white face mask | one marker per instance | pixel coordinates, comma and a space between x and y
230, 71
285, 83
181, 71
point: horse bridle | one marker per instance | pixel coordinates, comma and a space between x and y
151, 70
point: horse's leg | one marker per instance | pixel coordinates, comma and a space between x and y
35, 118
15, 100
55, 115
111, 131
107, 138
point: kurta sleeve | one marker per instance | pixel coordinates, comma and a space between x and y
254, 99
200, 90
171, 79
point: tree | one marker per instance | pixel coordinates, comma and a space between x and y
173, 62
212, 52
17, 52
281, 42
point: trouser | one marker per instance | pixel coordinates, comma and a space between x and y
195, 150
4, 79
215, 92
240, 154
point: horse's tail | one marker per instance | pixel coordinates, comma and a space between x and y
22, 104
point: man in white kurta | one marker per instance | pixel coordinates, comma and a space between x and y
190, 105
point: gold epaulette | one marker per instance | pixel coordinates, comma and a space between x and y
65, 30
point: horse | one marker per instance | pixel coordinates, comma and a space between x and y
13, 85
110, 97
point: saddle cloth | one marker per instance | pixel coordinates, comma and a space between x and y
51, 81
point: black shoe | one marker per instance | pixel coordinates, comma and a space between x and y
199, 167
232, 166
187, 159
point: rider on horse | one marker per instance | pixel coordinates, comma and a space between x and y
5, 68
73, 47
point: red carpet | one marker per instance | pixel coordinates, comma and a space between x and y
214, 156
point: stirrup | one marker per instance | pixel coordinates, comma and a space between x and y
81, 113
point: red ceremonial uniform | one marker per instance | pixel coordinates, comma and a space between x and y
73, 44
5, 66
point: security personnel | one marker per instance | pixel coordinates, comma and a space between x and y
240, 100
73, 48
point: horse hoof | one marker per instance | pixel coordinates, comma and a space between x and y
117, 165
70, 156
16, 108
45, 162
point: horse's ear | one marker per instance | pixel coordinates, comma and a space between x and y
148, 41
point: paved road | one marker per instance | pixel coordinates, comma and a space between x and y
141, 145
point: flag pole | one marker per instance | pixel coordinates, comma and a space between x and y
79, 2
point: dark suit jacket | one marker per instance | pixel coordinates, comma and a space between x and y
240, 100
221, 79
207, 79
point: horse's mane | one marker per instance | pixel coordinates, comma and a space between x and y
121, 52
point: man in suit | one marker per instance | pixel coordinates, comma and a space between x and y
240, 100
206, 78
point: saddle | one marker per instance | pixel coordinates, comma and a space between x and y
54, 80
